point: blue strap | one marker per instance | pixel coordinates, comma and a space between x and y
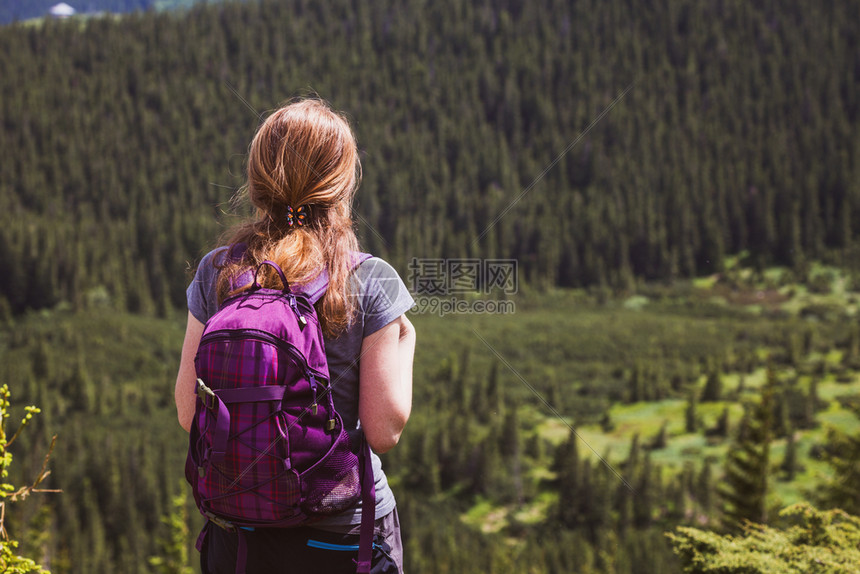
329, 546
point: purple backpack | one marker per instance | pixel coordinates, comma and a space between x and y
267, 447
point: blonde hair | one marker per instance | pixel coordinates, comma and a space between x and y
303, 154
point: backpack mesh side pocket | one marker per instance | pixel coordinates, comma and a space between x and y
334, 483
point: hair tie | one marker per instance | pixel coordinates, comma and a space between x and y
296, 216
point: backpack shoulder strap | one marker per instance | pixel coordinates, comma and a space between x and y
233, 254
313, 290
316, 288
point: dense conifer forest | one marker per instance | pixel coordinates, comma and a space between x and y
677, 181
123, 140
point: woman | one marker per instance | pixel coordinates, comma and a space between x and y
303, 170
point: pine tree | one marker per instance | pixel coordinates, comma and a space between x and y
568, 469
713, 390
691, 420
790, 464
745, 485
816, 541
511, 447
843, 456
661, 438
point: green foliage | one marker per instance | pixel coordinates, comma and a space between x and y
10, 561
173, 558
820, 541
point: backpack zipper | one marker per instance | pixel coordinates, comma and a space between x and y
291, 299
264, 337
295, 307
313, 382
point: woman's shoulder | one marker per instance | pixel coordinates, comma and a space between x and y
378, 276
372, 266
218, 256
383, 295
215, 260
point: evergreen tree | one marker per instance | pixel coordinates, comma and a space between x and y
568, 469
745, 484
843, 455
824, 541
511, 447
713, 390
691, 418
790, 465
661, 438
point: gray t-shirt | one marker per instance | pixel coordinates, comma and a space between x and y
382, 297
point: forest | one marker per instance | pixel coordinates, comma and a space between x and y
677, 182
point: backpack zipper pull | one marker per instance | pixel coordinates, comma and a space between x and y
313, 381
295, 308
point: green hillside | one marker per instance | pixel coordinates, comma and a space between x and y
595, 143
676, 181
484, 453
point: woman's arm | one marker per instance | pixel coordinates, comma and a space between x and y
385, 383
183, 394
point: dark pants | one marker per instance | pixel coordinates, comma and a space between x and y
287, 551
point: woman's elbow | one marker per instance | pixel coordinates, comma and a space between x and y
407, 329
383, 438
383, 444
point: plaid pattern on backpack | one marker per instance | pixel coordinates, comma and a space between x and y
267, 447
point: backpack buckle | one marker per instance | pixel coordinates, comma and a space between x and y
219, 522
206, 395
